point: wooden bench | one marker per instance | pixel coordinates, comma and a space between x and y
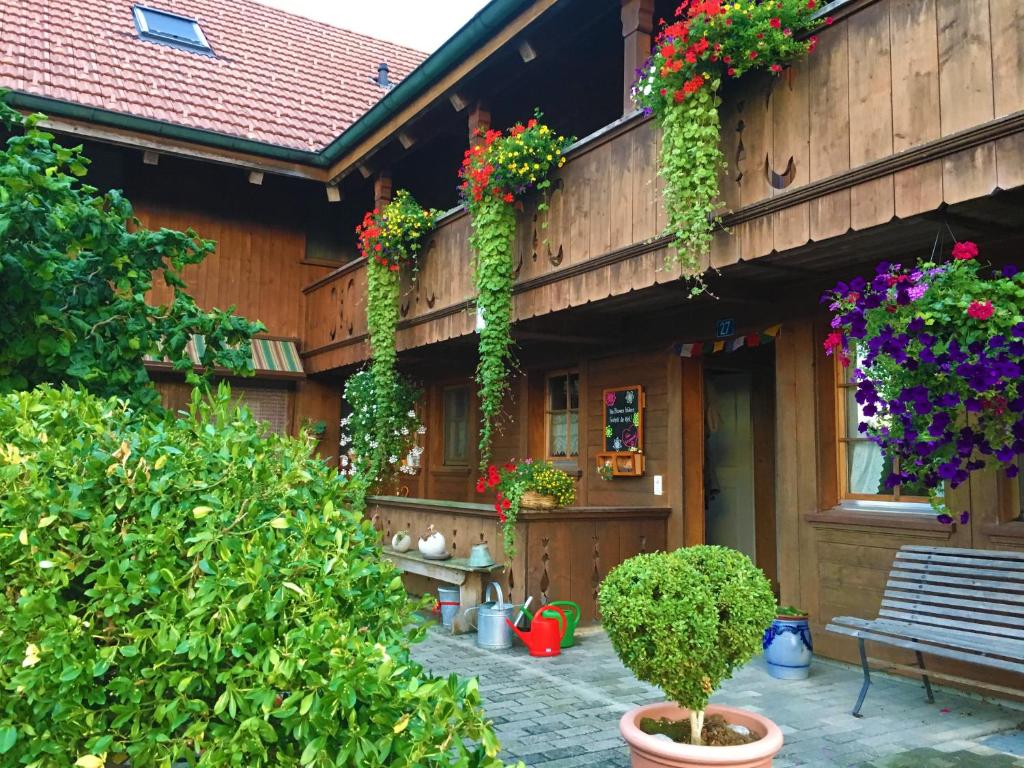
470, 580
960, 604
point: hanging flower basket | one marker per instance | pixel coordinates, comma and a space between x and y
938, 350
526, 485
534, 500
708, 42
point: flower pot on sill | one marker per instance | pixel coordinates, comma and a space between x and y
534, 500
648, 751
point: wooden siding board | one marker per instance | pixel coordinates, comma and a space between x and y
871, 113
965, 64
791, 141
829, 127
1010, 161
1007, 27
915, 101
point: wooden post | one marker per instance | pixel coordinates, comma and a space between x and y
479, 118
637, 26
382, 189
693, 451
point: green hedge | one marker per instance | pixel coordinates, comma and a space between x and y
198, 590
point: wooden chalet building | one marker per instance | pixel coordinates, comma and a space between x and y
907, 122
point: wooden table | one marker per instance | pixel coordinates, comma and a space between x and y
470, 580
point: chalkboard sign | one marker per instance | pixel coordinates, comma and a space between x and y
624, 419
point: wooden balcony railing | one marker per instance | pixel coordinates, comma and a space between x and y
904, 107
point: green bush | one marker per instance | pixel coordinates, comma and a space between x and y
197, 590
685, 620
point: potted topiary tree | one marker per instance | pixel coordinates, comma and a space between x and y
684, 621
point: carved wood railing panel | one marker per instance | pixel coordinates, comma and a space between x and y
561, 554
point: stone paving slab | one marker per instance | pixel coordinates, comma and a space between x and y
563, 712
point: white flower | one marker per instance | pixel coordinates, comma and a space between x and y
422, 430
411, 414
647, 90
344, 461
405, 431
417, 450
45, 564
392, 459
31, 655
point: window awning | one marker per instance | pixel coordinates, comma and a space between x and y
272, 358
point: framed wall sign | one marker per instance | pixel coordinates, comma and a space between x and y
623, 432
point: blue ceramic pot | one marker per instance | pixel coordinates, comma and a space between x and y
788, 648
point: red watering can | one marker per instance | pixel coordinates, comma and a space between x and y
546, 632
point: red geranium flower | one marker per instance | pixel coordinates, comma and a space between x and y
832, 341
775, 22
776, 67
981, 310
965, 251
752, 55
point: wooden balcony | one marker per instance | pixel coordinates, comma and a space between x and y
905, 106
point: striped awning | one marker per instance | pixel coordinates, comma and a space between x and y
271, 358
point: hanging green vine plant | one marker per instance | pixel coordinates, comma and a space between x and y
389, 237
495, 174
708, 41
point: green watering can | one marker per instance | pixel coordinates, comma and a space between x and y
572, 618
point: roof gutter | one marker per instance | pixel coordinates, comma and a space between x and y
488, 21
111, 119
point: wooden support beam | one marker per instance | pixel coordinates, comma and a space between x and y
365, 170
527, 52
479, 120
151, 157
256, 177
382, 189
333, 193
406, 139
637, 26
458, 101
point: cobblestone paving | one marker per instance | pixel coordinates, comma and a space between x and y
564, 711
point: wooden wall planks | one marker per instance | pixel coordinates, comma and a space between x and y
257, 267
894, 76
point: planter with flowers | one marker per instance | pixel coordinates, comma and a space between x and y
528, 484
495, 174
708, 42
390, 238
684, 621
939, 355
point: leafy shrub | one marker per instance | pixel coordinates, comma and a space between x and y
197, 590
75, 270
685, 620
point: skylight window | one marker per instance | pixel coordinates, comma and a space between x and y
170, 29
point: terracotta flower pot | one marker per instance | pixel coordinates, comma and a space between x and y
650, 752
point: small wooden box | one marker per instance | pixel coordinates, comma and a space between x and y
623, 463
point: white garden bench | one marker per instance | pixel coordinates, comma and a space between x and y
960, 604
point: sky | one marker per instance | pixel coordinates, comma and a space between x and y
420, 24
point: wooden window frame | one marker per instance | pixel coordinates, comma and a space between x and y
841, 389
444, 425
548, 412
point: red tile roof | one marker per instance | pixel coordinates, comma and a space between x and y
276, 77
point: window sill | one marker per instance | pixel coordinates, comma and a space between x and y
866, 517
447, 469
